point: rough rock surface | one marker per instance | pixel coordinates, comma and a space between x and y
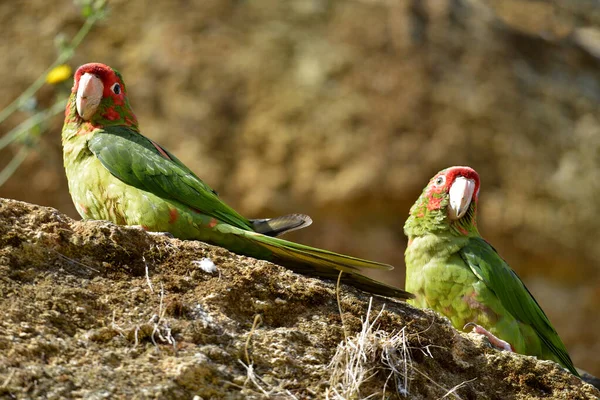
342, 109
95, 310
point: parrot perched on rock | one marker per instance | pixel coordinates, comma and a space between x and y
116, 174
451, 269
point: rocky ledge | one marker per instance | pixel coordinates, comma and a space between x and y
95, 310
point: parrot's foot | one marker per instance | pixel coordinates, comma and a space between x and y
165, 234
494, 341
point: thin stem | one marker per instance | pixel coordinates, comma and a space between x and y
62, 58
12, 166
29, 123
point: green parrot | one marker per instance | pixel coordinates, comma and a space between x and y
116, 174
451, 269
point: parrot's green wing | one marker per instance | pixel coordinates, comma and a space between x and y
138, 162
488, 266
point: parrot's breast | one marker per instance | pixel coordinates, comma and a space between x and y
99, 195
441, 280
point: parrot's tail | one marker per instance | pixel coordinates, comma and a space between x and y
323, 263
280, 225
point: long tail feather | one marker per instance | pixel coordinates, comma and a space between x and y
325, 264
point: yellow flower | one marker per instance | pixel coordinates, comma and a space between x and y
58, 74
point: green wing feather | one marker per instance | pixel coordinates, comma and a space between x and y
487, 264
135, 160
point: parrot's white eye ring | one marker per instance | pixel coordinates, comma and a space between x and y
440, 180
116, 88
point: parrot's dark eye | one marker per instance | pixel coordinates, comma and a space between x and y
116, 88
440, 180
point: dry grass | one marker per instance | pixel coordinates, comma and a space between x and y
156, 328
374, 351
268, 390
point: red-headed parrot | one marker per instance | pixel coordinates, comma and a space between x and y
451, 269
116, 174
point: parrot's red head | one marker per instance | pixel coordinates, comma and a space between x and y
100, 96
459, 184
449, 201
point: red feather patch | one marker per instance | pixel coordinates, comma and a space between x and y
173, 215
111, 115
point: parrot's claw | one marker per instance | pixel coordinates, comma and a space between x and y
494, 341
164, 234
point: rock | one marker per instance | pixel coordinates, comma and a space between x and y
96, 310
344, 109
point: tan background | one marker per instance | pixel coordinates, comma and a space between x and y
344, 109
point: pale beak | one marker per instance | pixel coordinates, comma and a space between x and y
461, 194
89, 94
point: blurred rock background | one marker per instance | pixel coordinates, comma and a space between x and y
344, 109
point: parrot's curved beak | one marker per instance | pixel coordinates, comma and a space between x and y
89, 94
461, 194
